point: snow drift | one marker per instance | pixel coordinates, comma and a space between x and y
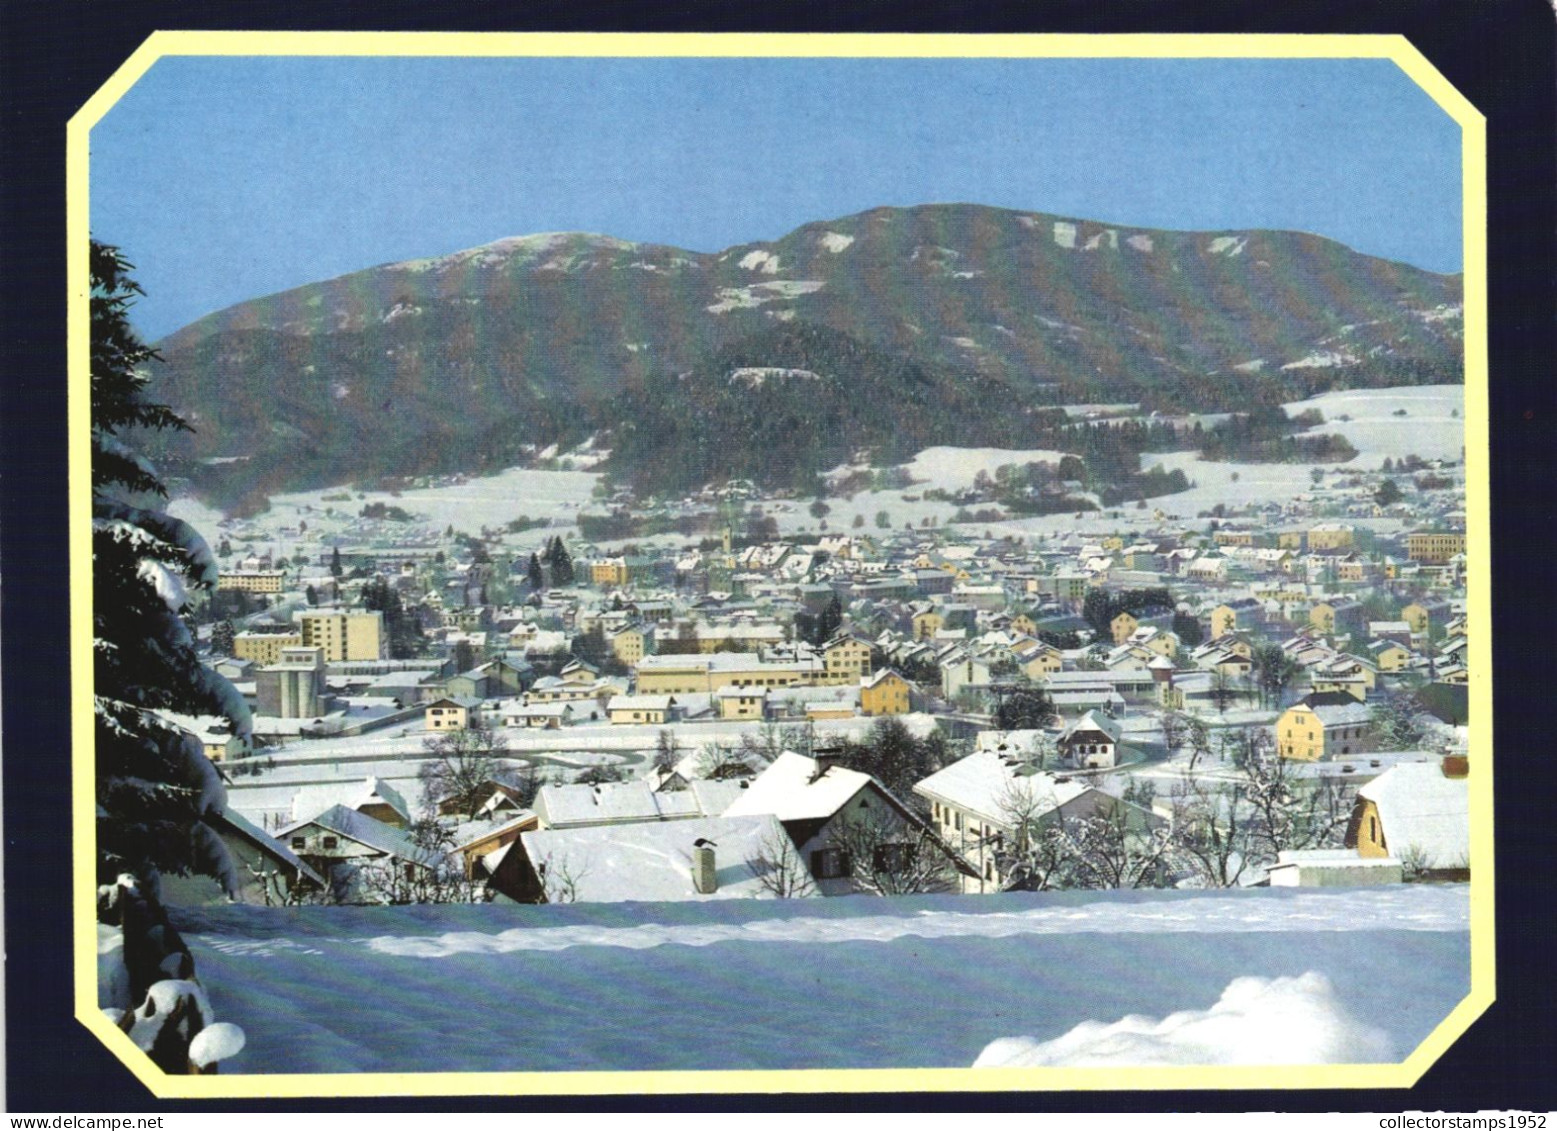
1255, 1021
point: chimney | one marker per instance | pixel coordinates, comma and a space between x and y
1455, 766
705, 878
826, 757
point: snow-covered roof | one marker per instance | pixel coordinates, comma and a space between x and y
1421, 808
252, 832
617, 863
367, 831
312, 799
561, 806
985, 783
796, 788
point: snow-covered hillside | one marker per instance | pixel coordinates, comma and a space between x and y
842, 983
1423, 420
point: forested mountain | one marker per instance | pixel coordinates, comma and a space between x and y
457, 362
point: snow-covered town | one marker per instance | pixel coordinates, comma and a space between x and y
853, 635
447, 711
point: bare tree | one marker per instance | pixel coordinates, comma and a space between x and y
889, 855
434, 875
560, 879
1122, 847
1031, 850
1175, 731
459, 766
778, 868
666, 752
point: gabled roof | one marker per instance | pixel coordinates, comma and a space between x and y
617, 863
367, 831
311, 799
1421, 808
796, 788
265, 842
984, 782
1092, 720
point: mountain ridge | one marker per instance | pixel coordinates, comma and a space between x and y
540, 336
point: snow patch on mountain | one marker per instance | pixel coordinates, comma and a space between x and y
1324, 359
835, 241
1096, 241
1139, 241
754, 376
759, 260
521, 248
1443, 312
1064, 234
1228, 245
735, 298
1251, 366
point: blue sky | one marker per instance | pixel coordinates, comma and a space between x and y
228, 178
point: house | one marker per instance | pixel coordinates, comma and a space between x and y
1091, 742
741, 702
977, 803
540, 716
884, 693
450, 714
818, 802
339, 842
1330, 536
1122, 626
1417, 813
1434, 547
627, 710
481, 849
845, 658
267, 871
1321, 726
264, 647
741, 857
372, 797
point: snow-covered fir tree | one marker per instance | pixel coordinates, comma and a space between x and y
155, 786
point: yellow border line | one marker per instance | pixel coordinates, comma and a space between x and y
679, 45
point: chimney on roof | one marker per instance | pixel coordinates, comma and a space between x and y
705, 877
826, 757
1455, 766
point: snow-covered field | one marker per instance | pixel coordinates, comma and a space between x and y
861, 982
1427, 429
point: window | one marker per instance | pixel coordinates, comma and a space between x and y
330, 842
891, 857
829, 863
299, 842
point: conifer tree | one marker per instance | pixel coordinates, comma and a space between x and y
156, 789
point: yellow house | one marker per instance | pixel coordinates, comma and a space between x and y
1389, 656
1113, 544
448, 714
630, 643
1321, 727
884, 693
1223, 621
264, 647
252, 580
1122, 626
1235, 537
1322, 617
690, 674
741, 702
1330, 536
847, 658
1043, 661
1024, 624
627, 710
1289, 540
608, 572
927, 624
1434, 546
343, 635
1417, 617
